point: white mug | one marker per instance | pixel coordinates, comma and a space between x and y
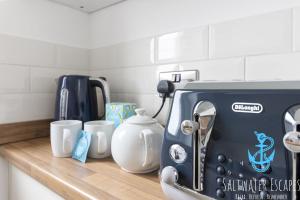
64, 135
101, 138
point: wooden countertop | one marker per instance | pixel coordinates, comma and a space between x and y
97, 179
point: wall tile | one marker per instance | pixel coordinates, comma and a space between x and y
114, 77
296, 33
102, 58
26, 107
218, 70
185, 45
14, 79
43, 80
16, 50
141, 80
130, 80
132, 53
71, 57
273, 67
269, 33
135, 53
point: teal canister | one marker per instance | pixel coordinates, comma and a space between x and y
119, 111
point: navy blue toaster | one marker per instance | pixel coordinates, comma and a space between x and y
233, 140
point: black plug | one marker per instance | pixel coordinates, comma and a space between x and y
164, 88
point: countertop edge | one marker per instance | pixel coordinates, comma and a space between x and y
18, 158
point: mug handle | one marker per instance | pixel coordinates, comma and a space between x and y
147, 133
66, 141
101, 136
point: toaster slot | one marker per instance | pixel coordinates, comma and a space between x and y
291, 141
196, 161
204, 115
200, 127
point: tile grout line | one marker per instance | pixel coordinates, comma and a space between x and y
245, 68
42, 67
209, 42
192, 61
30, 80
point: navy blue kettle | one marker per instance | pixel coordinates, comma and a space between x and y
77, 99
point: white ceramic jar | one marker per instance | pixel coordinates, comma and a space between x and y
136, 144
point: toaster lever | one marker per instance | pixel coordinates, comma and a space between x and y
204, 115
291, 141
205, 112
168, 180
200, 127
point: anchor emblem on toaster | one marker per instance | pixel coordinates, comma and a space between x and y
266, 143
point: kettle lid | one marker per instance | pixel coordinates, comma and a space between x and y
140, 117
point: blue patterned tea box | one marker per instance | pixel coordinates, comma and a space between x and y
118, 112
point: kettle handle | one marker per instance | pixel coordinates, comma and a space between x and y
149, 151
103, 85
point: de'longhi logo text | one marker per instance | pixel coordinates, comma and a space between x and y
262, 158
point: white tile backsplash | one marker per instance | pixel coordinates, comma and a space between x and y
230, 69
70, 57
296, 20
16, 50
102, 58
26, 107
114, 77
184, 45
14, 79
251, 48
133, 53
135, 80
130, 80
273, 67
28, 69
44, 80
269, 33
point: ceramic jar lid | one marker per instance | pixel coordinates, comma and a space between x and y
140, 118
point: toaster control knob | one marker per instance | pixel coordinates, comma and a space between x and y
189, 127
220, 170
177, 153
220, 181
221, 158
220, 193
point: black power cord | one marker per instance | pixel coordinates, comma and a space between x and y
161, 107
164, 88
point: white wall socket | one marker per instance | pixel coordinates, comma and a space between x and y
180, 76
